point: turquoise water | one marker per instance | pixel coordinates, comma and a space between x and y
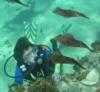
17, 21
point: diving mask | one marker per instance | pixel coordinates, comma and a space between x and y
29, 55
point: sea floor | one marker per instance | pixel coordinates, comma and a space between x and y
17, 21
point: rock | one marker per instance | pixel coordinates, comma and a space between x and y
83, 75
98, 90
96, 46
91, 78
43, 85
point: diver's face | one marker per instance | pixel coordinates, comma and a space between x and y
29, 55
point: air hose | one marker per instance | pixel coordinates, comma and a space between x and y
5, 71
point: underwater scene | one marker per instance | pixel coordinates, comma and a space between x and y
50, 46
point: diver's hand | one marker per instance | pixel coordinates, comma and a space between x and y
56, 76
39, 61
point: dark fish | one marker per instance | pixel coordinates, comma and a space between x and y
57, 57
68, 13
19, 2
69, 40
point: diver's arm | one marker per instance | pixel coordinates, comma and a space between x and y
19, 76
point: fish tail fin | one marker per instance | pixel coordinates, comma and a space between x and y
85, 16
78, 64
90, 49
25, 5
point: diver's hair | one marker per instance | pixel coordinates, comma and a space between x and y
22, 44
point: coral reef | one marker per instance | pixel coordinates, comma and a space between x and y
43, 85
98, 90
96, 46
19, 89
83, 75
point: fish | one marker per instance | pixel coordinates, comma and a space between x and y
69, 40
67, 13
19, 2
57, 58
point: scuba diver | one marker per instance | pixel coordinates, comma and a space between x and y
31, 61
34, 61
